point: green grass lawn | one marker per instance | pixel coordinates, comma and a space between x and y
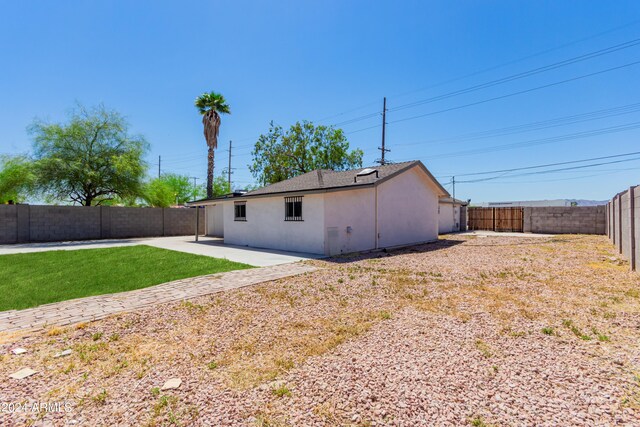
29, 280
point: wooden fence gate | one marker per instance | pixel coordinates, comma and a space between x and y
496, 219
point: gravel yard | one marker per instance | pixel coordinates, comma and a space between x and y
481, 331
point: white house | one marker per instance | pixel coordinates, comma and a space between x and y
451, 215
330, 212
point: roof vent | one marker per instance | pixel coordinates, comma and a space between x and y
365, 172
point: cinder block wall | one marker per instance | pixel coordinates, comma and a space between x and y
636, 228
56, 223
623, 219
8, 224
26, 223
565, 220
136, 222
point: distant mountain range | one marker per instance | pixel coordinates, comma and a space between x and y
554, 202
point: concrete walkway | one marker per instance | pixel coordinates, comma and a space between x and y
208, 246
101, 306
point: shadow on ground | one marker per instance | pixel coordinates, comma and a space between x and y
383, 253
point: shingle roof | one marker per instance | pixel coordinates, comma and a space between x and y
330, 179
325, 179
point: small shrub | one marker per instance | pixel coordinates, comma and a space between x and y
54, 332
601, 337
385, 315
155, 391
96, 336
478, 422
281, 391
484, 348
548, 331
101, 398
212, 365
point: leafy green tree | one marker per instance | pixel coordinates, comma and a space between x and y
172, 189
221, 186
17, 178
90, 159
211, 105
280, 154
159, 194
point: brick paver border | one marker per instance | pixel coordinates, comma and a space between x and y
98, 307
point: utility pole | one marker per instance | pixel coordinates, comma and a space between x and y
195, 188
382, 161
159, 163
229, 169
453, 181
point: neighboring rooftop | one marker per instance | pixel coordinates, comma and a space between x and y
453, 201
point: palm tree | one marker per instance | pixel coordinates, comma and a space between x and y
211, 105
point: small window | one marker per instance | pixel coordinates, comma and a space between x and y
240, 211
293, 208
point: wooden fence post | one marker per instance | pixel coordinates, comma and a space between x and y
493, 218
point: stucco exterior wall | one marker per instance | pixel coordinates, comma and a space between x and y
351, 214
448, 218
215, 220
265, 226
339, 221
407, 210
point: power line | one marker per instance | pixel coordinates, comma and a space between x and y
471, 104
561, 179
551, 170
523, 74
539, 125
560, 138
472, 74
551, 164
515, 61
540, 141
533, 55
630, 64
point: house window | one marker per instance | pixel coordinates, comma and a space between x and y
240, 211
293, 208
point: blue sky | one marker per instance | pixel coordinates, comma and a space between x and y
336, 60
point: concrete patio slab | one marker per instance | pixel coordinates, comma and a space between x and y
207, 246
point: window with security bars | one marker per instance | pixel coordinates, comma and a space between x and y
240, 211
293, 208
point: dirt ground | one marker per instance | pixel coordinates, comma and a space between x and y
481, 331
